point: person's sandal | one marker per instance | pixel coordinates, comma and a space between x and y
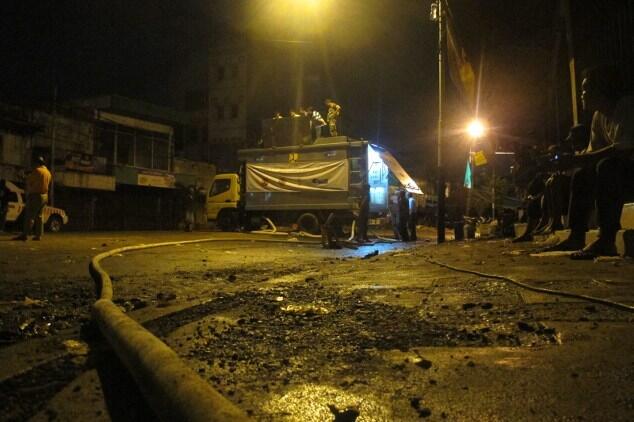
567, 245
594, 250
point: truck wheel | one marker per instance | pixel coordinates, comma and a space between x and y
227, 220
54, 224
308, 222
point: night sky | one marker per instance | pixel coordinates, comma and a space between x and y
381, 57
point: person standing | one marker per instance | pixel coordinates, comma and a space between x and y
334, 111
189, 203
316, 121
329, 232
393, 212
4, 203
413, 216
37, 184
364, 214
403, 214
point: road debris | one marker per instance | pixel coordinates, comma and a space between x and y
371, 254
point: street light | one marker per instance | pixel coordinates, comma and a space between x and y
476, 129
287, 19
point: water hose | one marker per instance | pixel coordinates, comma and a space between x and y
610, 303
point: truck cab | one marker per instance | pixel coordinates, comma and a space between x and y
223, 199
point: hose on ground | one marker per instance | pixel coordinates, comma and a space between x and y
562, 293
352, 230
272, 230
171, 388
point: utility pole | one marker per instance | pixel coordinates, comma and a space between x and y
565, 11
437, 16
493, 179
53, 136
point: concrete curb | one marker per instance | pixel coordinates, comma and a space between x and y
624, 239
172, 389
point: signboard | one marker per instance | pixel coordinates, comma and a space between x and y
479, 159
156, 180
85, 163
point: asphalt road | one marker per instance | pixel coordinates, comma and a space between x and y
291, 331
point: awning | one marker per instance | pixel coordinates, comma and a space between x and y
132, 122
397, 170
74, 179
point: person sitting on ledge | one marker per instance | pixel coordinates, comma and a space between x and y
548, 196
605, 169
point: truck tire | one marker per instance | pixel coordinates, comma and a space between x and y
227, 220
54, 224
308, 222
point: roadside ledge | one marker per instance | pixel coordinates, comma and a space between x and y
172, 389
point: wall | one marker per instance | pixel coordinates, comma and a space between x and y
14, 149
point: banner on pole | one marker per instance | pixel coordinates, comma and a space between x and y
468, 179
460, 69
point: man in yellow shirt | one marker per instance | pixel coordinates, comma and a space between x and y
37, 184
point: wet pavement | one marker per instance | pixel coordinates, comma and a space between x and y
293, 332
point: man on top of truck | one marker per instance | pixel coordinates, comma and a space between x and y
316, 121
334, 110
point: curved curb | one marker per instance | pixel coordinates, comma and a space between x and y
172, 389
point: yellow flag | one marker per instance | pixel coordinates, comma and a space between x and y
479, 159
460, 70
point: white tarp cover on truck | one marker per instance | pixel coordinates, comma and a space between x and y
327, 176
397, 170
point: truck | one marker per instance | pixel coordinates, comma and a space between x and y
301, 185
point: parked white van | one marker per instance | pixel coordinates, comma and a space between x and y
53, 218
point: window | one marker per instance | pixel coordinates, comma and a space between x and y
234, 111
143, 151
221, 73
105, 144
220, 186
234, 71
125, 148
220, 112
161, 155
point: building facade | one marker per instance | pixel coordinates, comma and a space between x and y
253, 80
118, 163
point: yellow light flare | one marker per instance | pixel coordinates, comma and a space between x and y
288, 19
476, 129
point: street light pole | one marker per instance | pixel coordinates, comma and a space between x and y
493, 176
440, 225
53, 141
